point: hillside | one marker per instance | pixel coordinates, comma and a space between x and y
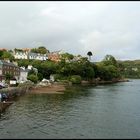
130, 68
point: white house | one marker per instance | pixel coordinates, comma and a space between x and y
135, 69
23, 74
38, 56
29, 67
26, 54
21, 53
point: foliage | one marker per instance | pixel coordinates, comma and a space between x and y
108, 68
1, 53
67, 56
89, 53
8, 76
89, 73
57, 77
130, 69
109, 60
41, 50
108, 72
6, 55
75, 79
71, 69
31, 72
24, 62
26, 84
33, 78
40, 76
47, 68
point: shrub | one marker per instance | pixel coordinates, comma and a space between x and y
33, 78
57, 77
75, 79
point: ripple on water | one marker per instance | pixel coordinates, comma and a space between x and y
110, 111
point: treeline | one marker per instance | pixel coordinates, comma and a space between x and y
73, 70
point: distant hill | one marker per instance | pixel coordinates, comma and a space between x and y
130, 68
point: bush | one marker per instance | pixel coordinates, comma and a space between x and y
26, 84
33, 78
57, 77
75, 79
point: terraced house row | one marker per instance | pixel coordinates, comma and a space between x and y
27, 54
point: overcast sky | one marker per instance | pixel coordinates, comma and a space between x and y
74, 27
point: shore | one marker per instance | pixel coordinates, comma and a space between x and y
51, 89
55, 88
12, 93
58, 88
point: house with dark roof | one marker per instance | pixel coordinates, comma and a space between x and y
8, 68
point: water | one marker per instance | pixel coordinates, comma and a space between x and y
110, 111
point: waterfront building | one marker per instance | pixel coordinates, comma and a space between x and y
8, 68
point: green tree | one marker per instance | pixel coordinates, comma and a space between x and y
31, 72
67, 56
1, 53
8, 77
34, 50
24, 63
47, 68
40, 76
107, 72
40, 49
110, 60
36, 63
75, 79
33, 78
7, 55
89, 54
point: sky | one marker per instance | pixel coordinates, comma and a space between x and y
76, 27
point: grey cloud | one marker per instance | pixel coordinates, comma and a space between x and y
75, 27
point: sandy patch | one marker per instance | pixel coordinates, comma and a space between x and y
53, 89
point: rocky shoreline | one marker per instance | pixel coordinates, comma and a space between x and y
12, 93
59, 88
99, 82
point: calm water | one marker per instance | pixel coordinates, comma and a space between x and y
111, 111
